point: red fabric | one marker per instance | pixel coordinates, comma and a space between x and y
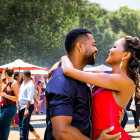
16, 119
0, 100
7, 101
105, 113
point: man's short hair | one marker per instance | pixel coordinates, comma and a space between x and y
72, 38
27, 73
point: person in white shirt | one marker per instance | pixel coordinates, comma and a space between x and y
25, 104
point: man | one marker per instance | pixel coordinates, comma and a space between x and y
68, 100
26, 107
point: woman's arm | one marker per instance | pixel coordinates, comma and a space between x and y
108, 81
3, 75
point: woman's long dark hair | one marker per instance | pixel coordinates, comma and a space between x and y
132, 44
9, 71
16, 74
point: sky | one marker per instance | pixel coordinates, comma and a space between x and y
113, 5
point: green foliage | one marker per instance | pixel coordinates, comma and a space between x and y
35, 30
126, 20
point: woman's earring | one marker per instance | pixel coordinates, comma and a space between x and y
121, 63
80, 51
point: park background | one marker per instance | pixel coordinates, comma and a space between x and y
34, 30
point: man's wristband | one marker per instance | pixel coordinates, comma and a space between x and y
26, 110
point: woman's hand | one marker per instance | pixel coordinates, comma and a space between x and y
66, 64
3, 94
54, 67
121, 114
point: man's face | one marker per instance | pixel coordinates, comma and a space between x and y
24, 77
90, 50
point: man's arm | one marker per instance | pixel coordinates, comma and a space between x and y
63, 130
26, 113
31, 92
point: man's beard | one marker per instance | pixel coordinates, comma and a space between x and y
91, 60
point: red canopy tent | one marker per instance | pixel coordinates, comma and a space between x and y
21, 65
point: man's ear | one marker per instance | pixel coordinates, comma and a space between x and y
79, 47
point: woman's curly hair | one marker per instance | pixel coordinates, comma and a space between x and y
132, 44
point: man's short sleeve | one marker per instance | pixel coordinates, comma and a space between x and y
31, 92
60, 96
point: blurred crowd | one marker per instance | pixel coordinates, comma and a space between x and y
21, 94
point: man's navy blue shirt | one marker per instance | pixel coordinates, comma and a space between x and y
68, 97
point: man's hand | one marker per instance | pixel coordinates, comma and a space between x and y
26, 113
121, 114
105, 136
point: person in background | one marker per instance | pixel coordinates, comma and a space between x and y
17, 77
137, 102
0, 91
39, 94
8, 106
42, 97
25, 104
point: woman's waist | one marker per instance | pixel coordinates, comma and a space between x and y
117, 128
7, 106
104, 122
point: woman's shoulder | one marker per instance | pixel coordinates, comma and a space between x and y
129, 84
14, 83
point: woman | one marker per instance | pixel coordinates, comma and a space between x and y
17, 77
116, 88
39, 89
8, 107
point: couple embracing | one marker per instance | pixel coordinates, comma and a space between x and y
69, 105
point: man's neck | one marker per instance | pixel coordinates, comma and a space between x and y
77, 63
27, 80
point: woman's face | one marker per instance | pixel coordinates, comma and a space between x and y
116, 52
19, 77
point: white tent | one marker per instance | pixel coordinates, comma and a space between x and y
99, 68
21, 65
43, 72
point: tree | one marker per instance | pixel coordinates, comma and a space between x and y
36, 29
126, 20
